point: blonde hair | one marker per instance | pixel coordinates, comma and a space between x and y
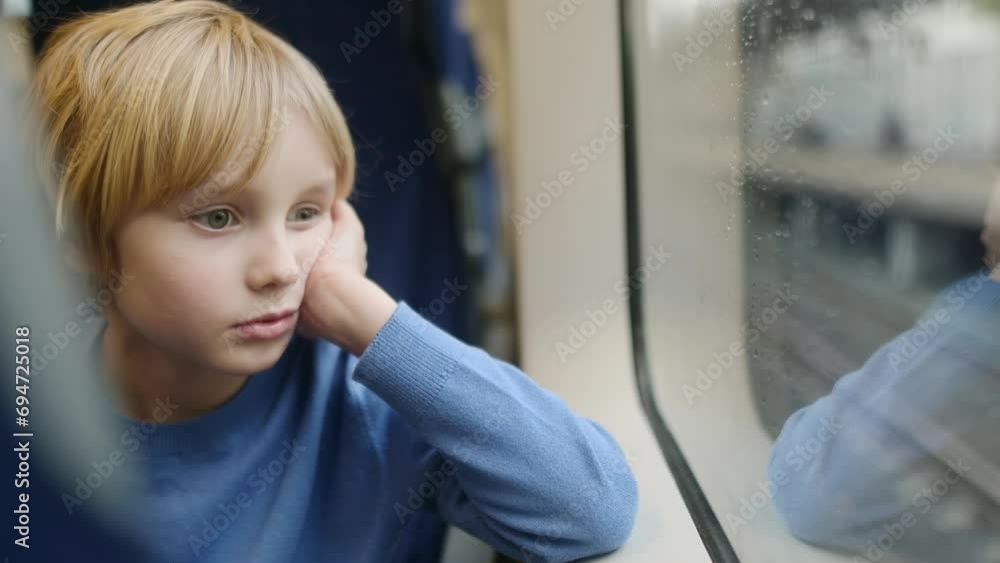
143, 104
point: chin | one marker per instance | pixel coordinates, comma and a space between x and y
250, 357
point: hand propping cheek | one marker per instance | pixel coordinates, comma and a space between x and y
346, 249
341, 262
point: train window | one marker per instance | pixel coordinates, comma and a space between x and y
820, 176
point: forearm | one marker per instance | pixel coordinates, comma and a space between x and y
533, 478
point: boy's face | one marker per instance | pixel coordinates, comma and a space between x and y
202, 268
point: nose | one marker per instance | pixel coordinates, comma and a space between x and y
274, 263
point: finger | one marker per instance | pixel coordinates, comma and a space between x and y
337, 209
339, 218
345, 213
342, 211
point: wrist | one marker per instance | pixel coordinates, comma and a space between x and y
367, 308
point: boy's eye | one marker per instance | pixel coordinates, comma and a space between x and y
304, 214
216, 219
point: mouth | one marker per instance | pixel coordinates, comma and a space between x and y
269, 326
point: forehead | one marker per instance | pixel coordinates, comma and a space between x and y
299, 157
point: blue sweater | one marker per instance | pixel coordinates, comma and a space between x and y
902, 456
328, 457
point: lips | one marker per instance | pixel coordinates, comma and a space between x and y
269, 326
270, 317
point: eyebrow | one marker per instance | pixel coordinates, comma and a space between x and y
322, 187
318, 188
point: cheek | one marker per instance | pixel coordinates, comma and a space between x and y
171, 284
311, 245
193, 284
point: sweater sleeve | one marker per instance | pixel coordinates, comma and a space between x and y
902, 447
532, 478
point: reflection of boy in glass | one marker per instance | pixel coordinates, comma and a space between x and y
903, 456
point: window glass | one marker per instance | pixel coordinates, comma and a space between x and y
821, 338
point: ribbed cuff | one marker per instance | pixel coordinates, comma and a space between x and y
408, 363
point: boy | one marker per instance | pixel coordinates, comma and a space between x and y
202, 170
901, 457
